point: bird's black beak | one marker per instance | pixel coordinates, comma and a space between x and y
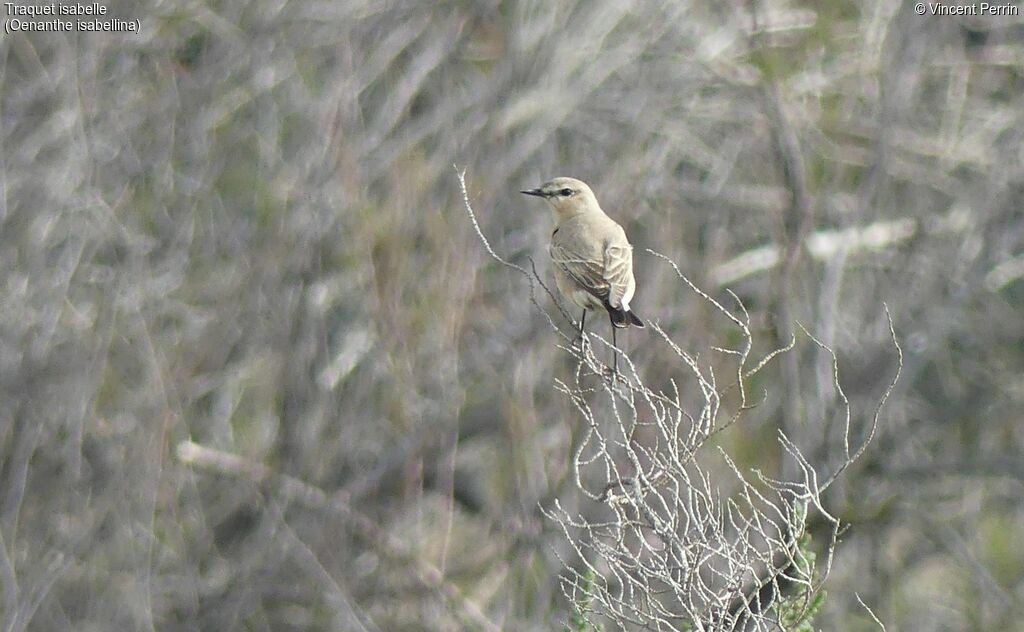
536, 192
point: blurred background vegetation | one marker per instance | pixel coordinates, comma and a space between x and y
242, 227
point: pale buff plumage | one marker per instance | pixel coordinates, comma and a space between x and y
593, 259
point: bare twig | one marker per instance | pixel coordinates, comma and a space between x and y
871, 612
683, 545
533, 278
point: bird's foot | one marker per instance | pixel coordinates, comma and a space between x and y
578, 340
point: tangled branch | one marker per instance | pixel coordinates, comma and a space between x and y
674, 534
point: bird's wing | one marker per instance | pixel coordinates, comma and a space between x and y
587, 273
618, 272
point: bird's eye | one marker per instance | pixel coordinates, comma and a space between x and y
566, 192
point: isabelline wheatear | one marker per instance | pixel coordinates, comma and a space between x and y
593, 259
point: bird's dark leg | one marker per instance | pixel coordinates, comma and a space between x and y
615, 352
579, 335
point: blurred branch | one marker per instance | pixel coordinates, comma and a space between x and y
366, 528
347, 614
1005, 273
823, 245
799, 216
55, 565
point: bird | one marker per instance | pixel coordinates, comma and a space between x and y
593, 259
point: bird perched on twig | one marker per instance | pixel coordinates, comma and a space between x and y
593, 259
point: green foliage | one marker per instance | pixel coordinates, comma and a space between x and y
796, 610
796, 615
578, 621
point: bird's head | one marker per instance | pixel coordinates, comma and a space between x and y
566, 196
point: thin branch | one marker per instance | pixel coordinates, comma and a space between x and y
533, 279
870, 612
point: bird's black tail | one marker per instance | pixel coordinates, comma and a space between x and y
623, 319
